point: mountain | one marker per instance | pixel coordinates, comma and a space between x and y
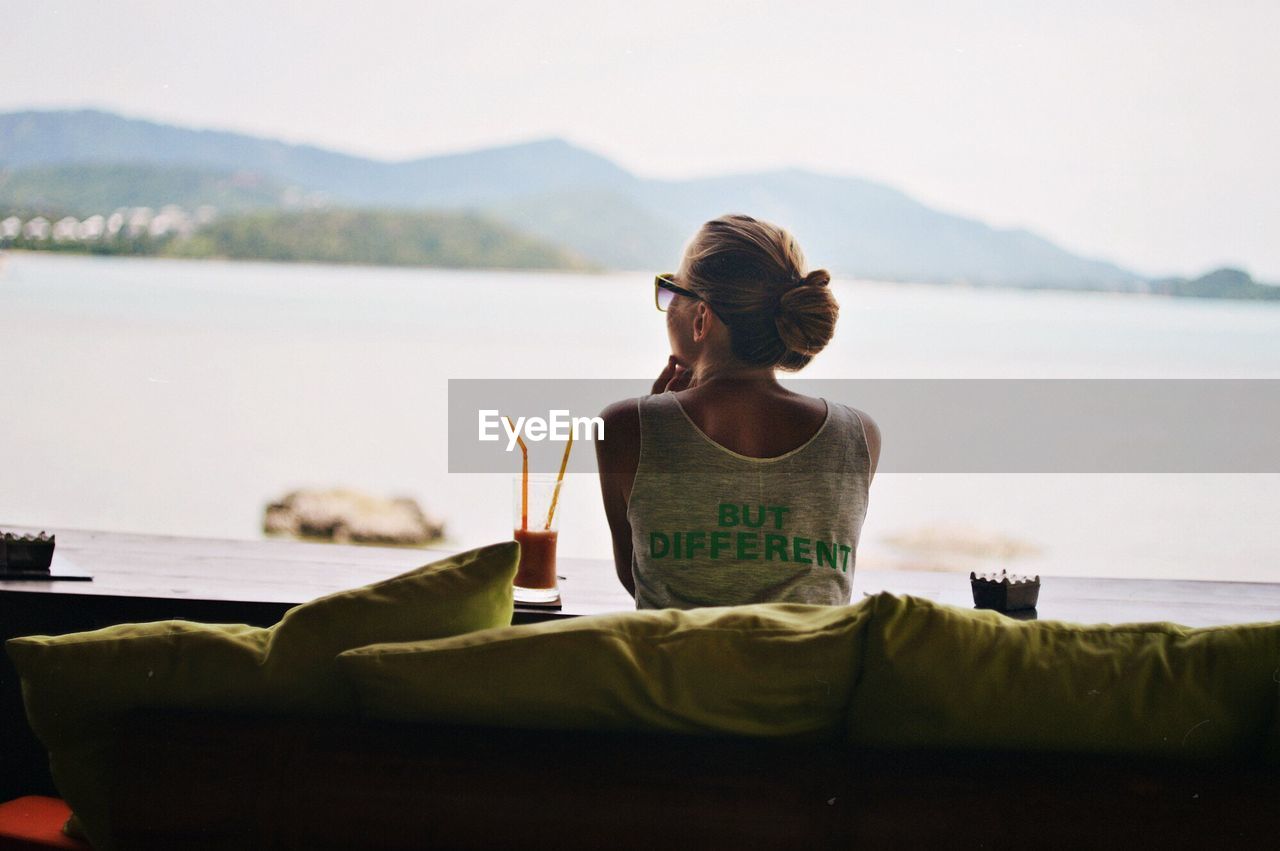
871, 230
457, 180
381, 237
1220, 283
608, 226
35, 138
88, 187
556, 191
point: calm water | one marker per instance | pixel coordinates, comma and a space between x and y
181, 396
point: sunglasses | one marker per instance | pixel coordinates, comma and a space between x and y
665, 291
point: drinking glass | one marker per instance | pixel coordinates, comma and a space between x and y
536, 529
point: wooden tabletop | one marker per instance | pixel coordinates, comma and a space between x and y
291, 572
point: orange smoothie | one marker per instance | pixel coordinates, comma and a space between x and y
537, 558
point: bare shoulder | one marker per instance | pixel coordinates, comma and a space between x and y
621, 430
872, 429
623, 416
617, 457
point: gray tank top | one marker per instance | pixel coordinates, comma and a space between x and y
710, 527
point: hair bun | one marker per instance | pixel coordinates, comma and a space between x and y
816, 278
807, 314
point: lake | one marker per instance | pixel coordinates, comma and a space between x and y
179, 397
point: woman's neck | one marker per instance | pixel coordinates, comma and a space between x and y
731, 373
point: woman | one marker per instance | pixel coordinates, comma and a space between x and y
722, 487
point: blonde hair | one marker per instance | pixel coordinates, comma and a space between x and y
752, 274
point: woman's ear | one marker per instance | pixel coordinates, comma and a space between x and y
701, 322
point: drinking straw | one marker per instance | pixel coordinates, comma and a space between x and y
555, 494
524, 478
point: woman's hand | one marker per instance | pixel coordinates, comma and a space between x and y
673, 377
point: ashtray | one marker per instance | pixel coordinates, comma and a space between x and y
1004, 592
26, 553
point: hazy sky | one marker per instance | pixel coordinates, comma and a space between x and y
1143, 132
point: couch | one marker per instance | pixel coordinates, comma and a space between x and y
408, 714
231, 782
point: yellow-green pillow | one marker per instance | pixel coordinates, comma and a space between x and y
463, 593
942, 676
77, 686
73, 684
775, 669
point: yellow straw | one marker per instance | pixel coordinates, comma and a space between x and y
555, 494
524, 478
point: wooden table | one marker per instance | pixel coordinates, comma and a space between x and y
257, 581
151, 577
262, 579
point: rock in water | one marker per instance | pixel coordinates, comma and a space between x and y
347, 516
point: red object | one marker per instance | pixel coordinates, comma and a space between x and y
35, 822
537, 558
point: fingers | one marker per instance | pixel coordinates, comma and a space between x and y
664, 378
680, 380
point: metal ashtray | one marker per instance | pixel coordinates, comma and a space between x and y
1004, 592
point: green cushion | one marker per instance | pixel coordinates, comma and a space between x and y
941, 676
73, 684
460, 594
76, 686
776, 669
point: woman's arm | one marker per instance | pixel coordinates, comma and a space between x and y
616, 458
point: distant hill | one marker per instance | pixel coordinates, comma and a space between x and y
468, 179
87, 188
1221, 283
345, 235
606, 225
378, 237
877, 232
58, 137
551, 190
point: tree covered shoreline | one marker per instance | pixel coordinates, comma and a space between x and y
372, 237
